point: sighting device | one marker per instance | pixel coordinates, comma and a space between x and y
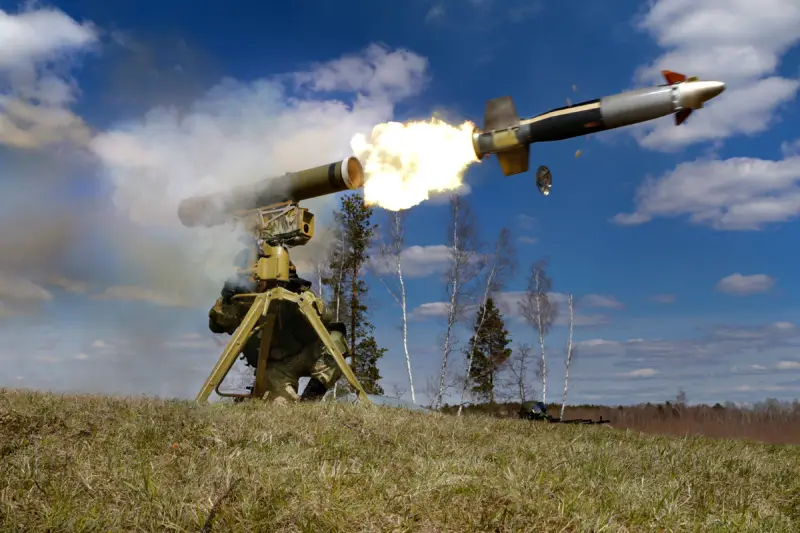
269, 211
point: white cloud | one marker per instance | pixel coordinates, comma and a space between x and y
740, 42
18, 289
748, 369
740, 193
416, 261
641, 373
40, 35
436, 12
508, 303
376, 71
742, 285
788, 365
430, 310
525, 239
526, 222
103, 346
717, 342
81, 357
599, 300
34, 103
792, 148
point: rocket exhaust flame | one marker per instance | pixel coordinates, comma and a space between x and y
405, 162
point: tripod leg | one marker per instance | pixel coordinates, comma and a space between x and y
234, 347
263, 354
313, 319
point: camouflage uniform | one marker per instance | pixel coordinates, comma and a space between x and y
296, 349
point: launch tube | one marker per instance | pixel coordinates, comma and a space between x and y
213, 209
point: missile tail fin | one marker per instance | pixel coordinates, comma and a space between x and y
681, 116
500, 114
673, 77
514, 161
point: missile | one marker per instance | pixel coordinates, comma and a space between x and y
510, 137
214, 209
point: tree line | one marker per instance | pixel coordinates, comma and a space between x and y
473, 282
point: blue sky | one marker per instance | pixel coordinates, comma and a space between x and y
678, 242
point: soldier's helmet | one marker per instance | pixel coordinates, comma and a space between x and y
533, 410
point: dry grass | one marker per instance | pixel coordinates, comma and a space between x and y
773, 424
88, 463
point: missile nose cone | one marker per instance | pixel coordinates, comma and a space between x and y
711, 89
694, 94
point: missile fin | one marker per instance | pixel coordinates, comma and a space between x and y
681, 116
514, 161
673, 77
500, 114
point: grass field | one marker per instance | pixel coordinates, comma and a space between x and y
773, 424
89, 463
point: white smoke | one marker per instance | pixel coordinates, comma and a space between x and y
240, 132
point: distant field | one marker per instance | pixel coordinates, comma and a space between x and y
89, 463
773, 424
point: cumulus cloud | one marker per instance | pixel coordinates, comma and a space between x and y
788, 365
416, 261
35, 94
430, 310
736, 194
739, 284
739, 42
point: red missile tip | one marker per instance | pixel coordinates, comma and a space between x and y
673, 77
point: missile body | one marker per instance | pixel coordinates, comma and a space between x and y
214, 209
509, 137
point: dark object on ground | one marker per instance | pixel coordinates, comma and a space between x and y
538, 411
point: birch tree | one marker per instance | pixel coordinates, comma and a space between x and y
568, 359
391, 252
539, 311
501, 268
463, 269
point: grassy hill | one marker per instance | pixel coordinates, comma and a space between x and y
90, 463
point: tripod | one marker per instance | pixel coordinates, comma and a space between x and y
271, 272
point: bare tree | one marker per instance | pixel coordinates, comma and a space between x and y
519, 366
320, 275
569, 353
465, 266
398, 391
502, 266
540, 312
391, 251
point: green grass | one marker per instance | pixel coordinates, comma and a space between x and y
90, 463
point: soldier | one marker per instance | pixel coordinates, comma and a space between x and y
296, 350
